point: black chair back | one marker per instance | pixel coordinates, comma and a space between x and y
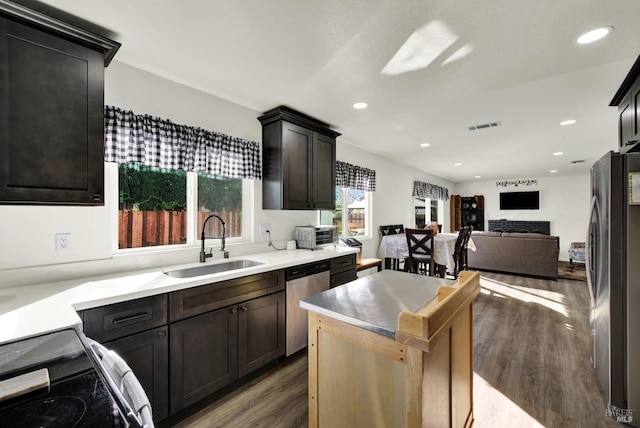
420, 244
392, 229
460, 250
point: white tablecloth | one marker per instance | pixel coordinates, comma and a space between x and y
395, 247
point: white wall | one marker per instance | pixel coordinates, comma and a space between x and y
28, 253
564, 201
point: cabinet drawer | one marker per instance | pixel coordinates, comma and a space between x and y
122, 319
198, 300
343, 278
342, 264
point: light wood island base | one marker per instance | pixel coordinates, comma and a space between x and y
420, 378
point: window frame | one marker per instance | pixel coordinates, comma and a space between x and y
368, 217
193, 236
428, 206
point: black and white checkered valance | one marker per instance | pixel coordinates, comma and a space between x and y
355, 177
160, 143
431, 191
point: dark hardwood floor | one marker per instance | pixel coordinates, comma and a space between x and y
531, 365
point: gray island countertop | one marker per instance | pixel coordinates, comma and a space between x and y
375, 301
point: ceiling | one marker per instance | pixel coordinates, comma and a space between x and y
428, 70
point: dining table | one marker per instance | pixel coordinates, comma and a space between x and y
444, 245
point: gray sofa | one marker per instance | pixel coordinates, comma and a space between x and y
531, 254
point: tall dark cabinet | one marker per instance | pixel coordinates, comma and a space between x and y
627, 99
298, 161
467, 211
52, 110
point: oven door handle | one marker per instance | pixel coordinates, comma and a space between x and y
99, 353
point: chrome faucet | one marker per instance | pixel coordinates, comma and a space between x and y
203, 255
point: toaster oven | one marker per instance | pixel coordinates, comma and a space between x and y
312, 237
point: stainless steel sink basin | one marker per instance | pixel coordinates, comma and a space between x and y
211, 268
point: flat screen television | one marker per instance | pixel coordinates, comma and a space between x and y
520, 200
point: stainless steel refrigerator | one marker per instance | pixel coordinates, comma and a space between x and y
613, 274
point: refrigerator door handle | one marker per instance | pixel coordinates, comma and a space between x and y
593, 211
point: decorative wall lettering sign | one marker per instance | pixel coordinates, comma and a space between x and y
516, 183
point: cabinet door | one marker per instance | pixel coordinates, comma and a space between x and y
51, 120
297, 154
626, 116
456, 213
324, 175
203, 356
147, 354
261, 331
480, 202
635, 101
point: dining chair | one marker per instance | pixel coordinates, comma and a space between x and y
460, 250
465, 248
420, 244
458, 253
391, 229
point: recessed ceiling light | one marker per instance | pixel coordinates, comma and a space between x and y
553, 170
457, 164
425, 145
593, 35
568, 122
478, 176
558, 153
360, 105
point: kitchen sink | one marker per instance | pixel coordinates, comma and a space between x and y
212, 268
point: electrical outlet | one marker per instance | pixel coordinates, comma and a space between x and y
63, 242
264, 227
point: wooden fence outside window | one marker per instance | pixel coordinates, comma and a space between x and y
152, 228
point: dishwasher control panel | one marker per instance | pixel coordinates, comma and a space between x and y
306, 270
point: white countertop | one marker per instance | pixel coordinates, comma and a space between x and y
36, 309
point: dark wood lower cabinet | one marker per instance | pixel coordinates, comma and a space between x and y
203, 356
147, 355
212, 350
261, 332
202, 347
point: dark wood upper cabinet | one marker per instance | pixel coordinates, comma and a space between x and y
52, 110
627, 99
298, 161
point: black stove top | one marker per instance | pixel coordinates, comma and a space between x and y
77, 395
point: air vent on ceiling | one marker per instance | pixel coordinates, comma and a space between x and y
484, 126
579, 161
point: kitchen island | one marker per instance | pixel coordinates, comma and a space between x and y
392, 349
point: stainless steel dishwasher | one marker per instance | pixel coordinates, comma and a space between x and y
301, 282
